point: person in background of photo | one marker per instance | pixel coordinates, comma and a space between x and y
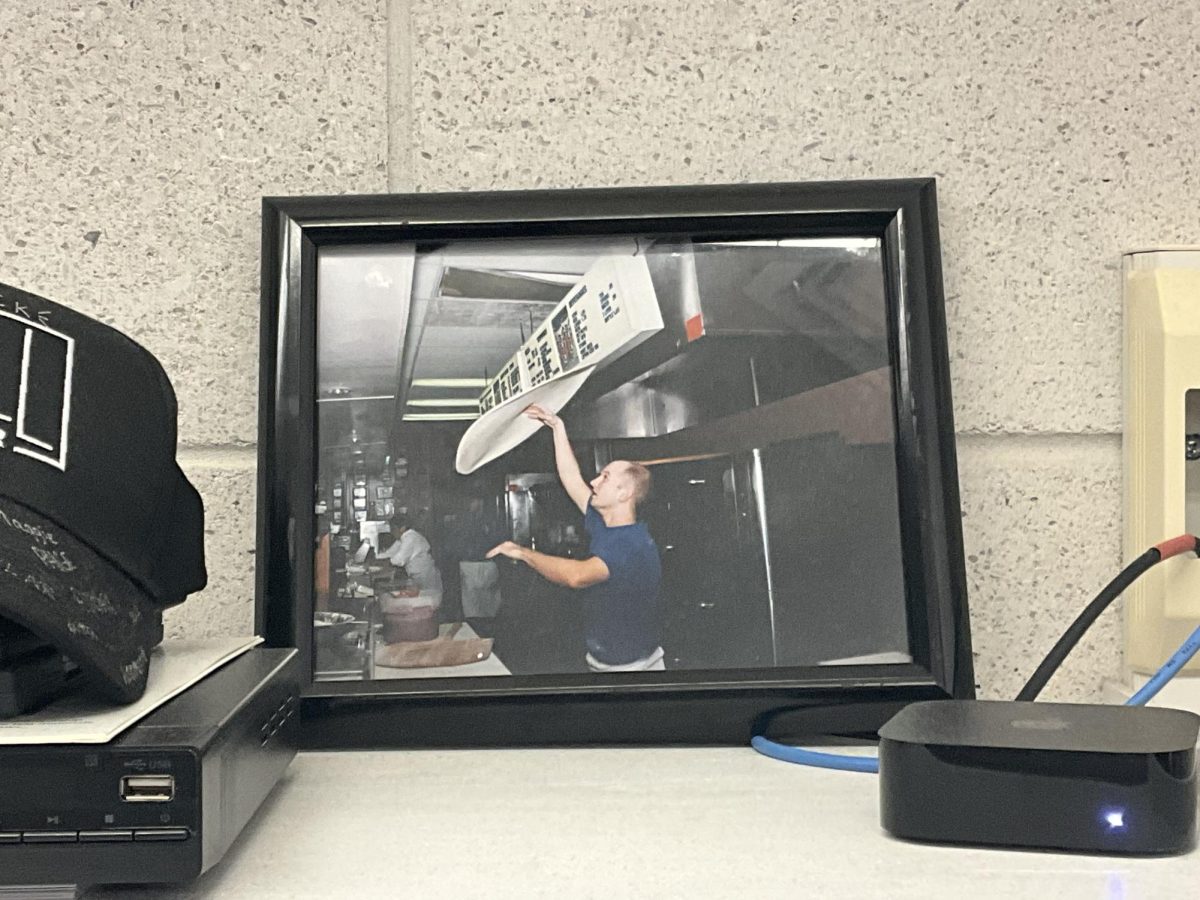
409, 549
479, 577
619, 581
479, 532
321, 565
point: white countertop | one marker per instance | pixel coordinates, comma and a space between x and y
615, 823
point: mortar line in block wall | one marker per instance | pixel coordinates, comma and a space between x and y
400, 62
218, 456
245, 456
1037, 441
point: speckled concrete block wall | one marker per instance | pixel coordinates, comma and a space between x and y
136, 142
139, 138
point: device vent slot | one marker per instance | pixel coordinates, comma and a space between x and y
286, 709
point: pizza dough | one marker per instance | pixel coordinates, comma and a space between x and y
505, 426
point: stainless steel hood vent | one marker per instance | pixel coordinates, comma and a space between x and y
744, 328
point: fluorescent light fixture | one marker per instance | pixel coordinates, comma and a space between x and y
440, 417
352, 399
446, 401
451, 382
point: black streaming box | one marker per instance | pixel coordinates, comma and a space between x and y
163, 800
1048, 776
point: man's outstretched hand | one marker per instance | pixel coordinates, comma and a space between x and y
543, 415
511, 549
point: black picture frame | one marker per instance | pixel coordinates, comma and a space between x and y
684, 707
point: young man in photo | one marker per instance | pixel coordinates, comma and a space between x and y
619, 581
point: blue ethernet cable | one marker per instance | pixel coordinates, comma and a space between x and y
1177, 661
803, 757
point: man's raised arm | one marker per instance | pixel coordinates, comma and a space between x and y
564, 457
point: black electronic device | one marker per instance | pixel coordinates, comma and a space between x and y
164, 800
1062, 776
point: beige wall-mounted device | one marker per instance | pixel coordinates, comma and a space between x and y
1161, 447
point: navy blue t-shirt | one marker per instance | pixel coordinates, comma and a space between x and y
621, 615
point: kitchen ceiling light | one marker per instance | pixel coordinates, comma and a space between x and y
440, 417
450, 382
352, 399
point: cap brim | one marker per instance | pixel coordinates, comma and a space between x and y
179, 562
71, 597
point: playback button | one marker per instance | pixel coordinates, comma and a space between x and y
51, 837
161, 834
105, 837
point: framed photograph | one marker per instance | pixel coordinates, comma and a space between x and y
725, 410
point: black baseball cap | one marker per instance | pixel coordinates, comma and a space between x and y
100, 530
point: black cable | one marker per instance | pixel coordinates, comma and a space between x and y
1184, 543
1071, 636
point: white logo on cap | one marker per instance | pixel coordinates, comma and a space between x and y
15, 372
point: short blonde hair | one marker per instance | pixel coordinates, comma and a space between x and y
639, 476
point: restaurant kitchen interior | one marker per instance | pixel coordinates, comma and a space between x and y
762, 407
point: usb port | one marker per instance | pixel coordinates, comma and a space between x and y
147, 788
